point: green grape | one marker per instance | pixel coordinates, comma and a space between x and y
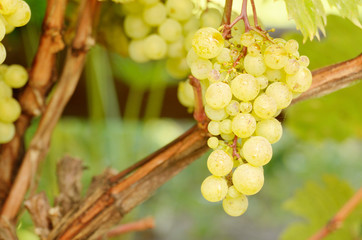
177, 67
16, 76
280, 41
220, 163
180, 10
191, 25
191, 57
304, 61
254, 65
214, 189
8, 28
227, 137
271, 129
224, 56
135, 51
154, 47
275, 56
263, 81
280, 93
8, 6
170, 30
245, 107
225, 126
235, 206
213, 142
275, 75
301, 81
132, 7
292, 67
214, 128
21, 16
149, 2
247, 39
135, 27
233, 193
257, 151
2, 53
176, 49
291, 46
264, 106
248, 179
207, 42
233, 108
154, 15
7, 132
214, 76
218, 95
9, 110
211, 17
188, 41
5, 90
200, 68
2, 29
185, 94
254, 50
215, 114
243, 125
245, 87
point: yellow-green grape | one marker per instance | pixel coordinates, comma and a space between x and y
8, 28
254, 65
133, 7
304, 61
263, 81
227, 137
235, 206
280, 93
224, 56
154, 15
191, 25
211, 17
8, 6
220, 163
200, 68
248, 179
2, 53
2, 29
246, 107
154, 47
301, 81
254, 50
3, 68
233, 193
292, 66
16, 76
233, 108
135, 51
271, 129
191, 57
274, 75
215, 114
264, 106
185, 94
213, 142
218, 95
5, 90
291, 46
214, 76
170, 30
9, 110
280, 41
180, 10
177, 67
135, 27
243, 125
207, 42
214, 189
257, 151
245, 87
176, 49
225, 126
275, 56
21, 16
247, 39
214, 128
188, 40
7, 132
148, 2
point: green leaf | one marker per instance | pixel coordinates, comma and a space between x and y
316, 204
347, 9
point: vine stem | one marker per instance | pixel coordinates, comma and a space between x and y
243, 16
227, 12
342, 214
255, 16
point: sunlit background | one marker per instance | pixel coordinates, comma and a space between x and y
123, 111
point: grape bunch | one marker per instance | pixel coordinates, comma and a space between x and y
246, 82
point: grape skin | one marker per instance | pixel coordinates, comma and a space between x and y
155, 14
275, 56
301, 81
257, 151
207, 42
235, 206
245, 87
264, 106
215, 114
5, 90
254, 65
7, 132
248, 179
280, 93
9, 110
219, 163
243, 125
214, 189
218, 95
271, 129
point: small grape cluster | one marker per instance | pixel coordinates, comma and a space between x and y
246, 81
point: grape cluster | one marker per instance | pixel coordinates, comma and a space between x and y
246, 81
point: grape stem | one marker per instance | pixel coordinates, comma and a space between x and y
234, 147
227, 12
243, 16
255, 16
199, 112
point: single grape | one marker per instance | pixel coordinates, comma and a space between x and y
188, 40
247, 39
7, 132
233, 108
257, 151
135, 51
177, 67
214, 188
264, 106
191, 57
280, 93
211, 17
191, 25
2, 53
304, 61
176, 49
8, 6
21, 16
9, 110
291, 46
246, 107
263, 81
235, 206
243, 125
227, 137
154, 47
132, 7
16, 76
135, 27
170, 30
215, 114
224, 56
185, 94
200, 68
225, 126
213, 142
180, 10
5, 90
254, 65
245, 87
218, 95
301, 81
2, 29
248, 179
274, 75
292, 67
271, 129
275, 56
254, 50
214, 128
214, 76
154, 15
233, 193
220, 163
207, 42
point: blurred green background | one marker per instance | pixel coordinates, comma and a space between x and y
123, 111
